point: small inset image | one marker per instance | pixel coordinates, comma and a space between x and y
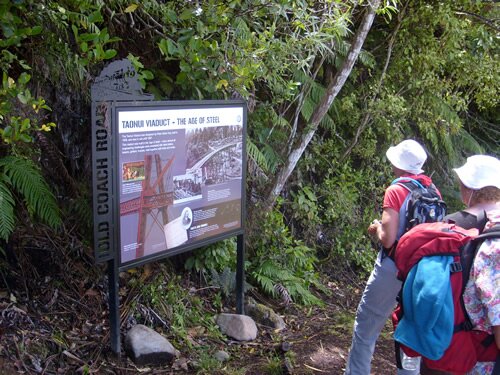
187, 187
187, 217
133, 171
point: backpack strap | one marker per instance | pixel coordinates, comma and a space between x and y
467, 220
411, 185
493, 232
408, 182
496, 369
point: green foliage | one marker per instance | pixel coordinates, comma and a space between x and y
22, 176
7, 204
274, 365
334, 211
16, 97
216, 257
226, 282
440, 86
92, 44
176, 306
69, 38
259, 157
282, 263
79, 211
143, 75
13, 29
443, 65
305, 208
206, 363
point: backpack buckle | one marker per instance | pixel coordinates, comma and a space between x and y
468, 326
456, 267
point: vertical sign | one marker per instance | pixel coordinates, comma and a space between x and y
102, 182
117, 82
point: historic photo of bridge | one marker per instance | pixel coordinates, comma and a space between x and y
214, 156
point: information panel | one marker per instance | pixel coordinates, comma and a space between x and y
180, 172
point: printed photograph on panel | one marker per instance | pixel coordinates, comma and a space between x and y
216, 152
133, 171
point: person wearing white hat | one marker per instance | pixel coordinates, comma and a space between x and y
479, 180
379, 297
408, 156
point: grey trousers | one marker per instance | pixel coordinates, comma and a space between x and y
375, 307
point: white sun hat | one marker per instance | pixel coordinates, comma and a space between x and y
408, 156
480, 171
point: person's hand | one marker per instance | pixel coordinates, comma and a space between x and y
373, 228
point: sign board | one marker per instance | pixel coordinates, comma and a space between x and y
180, 169
168, 177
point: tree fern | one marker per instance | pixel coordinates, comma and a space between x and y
266, 283
295, 288
257, 156
26, 179
316, 92
465, 144
225, 280
6, 209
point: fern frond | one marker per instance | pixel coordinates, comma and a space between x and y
272, 158
225, 281
29, 182
7, 218
265, 282
467, 142
257, 156
316, 93
274, 270
296, 288
283, 293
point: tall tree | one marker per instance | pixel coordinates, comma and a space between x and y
304, 137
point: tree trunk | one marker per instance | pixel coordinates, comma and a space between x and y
322, 108
368, 114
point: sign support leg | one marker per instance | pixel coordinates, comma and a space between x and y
114, 307
240, 274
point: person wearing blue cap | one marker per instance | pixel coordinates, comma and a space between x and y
379, 297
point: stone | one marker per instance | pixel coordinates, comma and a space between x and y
145, 347
264, 315
221, 356
238, 327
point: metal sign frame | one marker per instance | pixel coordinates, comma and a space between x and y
115, 91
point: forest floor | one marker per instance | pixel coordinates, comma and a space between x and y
56, 322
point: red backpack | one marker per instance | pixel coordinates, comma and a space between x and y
467, 346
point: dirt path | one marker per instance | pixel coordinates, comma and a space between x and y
319, 338
61, 329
